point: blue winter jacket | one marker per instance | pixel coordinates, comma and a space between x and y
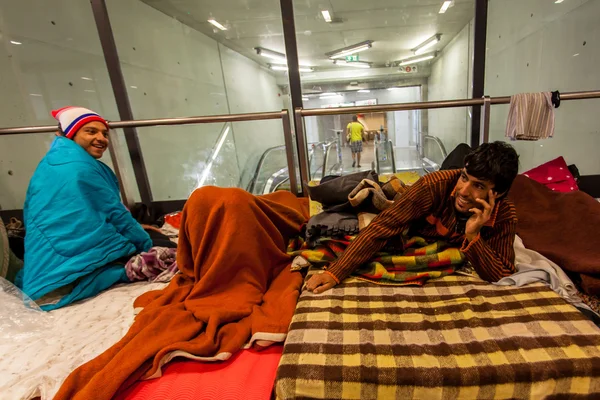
76, 226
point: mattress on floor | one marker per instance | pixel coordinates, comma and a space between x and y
248, 375
36, 362
456, 337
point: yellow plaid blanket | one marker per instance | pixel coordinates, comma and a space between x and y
455, 337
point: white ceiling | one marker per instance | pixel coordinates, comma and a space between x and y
395, 26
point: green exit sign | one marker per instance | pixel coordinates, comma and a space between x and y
353, 57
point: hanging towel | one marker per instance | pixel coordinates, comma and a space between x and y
531, 116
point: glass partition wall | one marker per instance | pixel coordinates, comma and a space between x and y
180, 58
356, 53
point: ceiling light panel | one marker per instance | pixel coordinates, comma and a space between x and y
427, 45
417, 60
275, 67
445, 6
273, 55
326, 15
346, 51
217, 24
355, 64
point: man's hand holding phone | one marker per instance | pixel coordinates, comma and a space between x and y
480, 216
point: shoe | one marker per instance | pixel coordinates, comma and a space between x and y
359, 165
353, 164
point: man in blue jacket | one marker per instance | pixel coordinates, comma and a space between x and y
77, 227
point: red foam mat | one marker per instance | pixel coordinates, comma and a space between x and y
249, 374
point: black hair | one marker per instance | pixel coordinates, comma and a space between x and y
355, 118
496, 162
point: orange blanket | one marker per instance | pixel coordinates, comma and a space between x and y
235, 286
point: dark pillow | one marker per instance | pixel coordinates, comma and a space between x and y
331, 225
456, 158
336, 191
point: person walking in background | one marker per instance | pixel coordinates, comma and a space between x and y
355, 134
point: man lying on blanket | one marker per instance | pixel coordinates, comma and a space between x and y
77, 227
466, 208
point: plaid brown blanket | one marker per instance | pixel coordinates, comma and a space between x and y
456, 337
418, 262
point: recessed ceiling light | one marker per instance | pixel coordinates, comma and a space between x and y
575, 55
89, 91
330, 96
273, 55
218, 25
417, 60
35, 94
85, 78
15, 42
363, 91
133, 87
285, 68
445, 6
558, 1
423, 47
356, 64
326, 15
346, 51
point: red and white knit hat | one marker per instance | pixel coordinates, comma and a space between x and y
71, 119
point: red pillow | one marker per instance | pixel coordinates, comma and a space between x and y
554, 175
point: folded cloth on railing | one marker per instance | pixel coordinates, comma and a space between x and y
530, 117
417, 263
159, 264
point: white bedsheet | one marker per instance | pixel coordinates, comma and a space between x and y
71, 336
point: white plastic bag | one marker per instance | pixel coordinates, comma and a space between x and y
20, 317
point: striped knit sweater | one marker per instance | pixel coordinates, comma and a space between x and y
427, 210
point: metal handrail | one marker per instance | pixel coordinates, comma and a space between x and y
389, 147
309, 112
393, 155
276, 188
328, 147
260, 164
283, 115
439, 143
158, 122
485, 102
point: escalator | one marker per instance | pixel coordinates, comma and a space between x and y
422, 159
272, 174
328, 158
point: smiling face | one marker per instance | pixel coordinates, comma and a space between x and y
93, 137
468, 189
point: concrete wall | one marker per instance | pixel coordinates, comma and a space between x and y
450, 79
538, 46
